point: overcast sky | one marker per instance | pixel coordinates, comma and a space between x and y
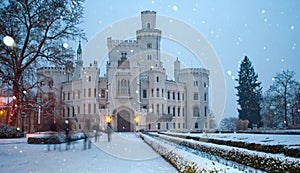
267, 31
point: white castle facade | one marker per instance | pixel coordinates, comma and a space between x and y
135, 92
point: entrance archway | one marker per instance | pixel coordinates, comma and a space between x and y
123, 121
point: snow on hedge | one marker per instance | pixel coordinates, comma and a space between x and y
259, 160
185, 161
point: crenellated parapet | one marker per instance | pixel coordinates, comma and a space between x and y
121, 43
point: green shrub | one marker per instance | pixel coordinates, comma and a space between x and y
9, 132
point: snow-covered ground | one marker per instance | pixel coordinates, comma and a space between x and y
117, 156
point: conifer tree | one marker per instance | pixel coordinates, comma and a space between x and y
249, 93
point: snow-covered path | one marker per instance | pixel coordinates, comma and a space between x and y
125, 153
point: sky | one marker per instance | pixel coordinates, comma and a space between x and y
267, 31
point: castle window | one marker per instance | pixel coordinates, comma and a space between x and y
158, 126
64, 96
95, 108
78, 110
89, 108
69, 95
196, 111
157, 92
157, 108
174, 111
205, 111
144, 93
196, 96
162, 92
73, 111
195, 83
157, 79
169, 109
149, 126
168, 94
68, 111
205, 97
167, 126
124, 86
196, 125
178, 111
102, 93
95, 92
149, 45
162, 108
149, 57
152, 92
173, 95
183, 112
90, 78
148, 25
178, 125
89, 92
204, 84
174, 127
178, 96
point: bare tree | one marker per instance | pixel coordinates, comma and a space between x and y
282, 94
38, 30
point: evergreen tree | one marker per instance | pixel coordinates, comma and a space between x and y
249, 93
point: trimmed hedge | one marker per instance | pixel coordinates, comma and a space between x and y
257, 161
274, 149
53, 139
9, 132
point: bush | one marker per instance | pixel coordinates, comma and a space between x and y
9, 132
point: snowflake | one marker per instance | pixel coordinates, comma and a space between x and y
175, 8
263, 11
292, 27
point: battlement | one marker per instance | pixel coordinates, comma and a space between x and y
125, 43
148, 12
194, 71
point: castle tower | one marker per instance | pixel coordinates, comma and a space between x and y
176, 70
149, 40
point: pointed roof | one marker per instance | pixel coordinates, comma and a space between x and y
79, 48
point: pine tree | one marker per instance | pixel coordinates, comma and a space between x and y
249, 93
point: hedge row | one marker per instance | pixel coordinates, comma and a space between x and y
53, 139
9, 132
275, 149
182, 164
257, 161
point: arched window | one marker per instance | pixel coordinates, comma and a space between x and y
196, 125
205, 97
196, 111
124, 86
205, 111
148, 25
89, 92
157, 92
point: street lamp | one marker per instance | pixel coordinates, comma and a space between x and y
137, 119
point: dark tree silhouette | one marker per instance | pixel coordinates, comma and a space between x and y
38, 30
284, 92
249, 93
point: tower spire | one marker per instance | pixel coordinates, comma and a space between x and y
79, 51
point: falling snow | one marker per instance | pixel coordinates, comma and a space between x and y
175, 8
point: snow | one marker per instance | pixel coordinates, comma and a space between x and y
264, 139
183, 158
117, 156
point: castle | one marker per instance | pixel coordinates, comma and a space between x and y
135, 93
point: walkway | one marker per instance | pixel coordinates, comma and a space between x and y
125, 153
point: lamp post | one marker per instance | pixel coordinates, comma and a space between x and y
108, 120
137, 119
